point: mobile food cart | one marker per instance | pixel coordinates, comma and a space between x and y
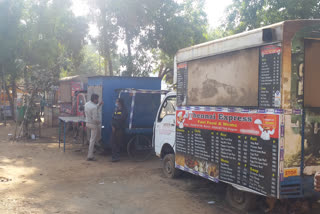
248, 112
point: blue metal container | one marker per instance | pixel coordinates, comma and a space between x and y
145, 109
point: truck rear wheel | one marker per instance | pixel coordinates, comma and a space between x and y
241, 200
168, 166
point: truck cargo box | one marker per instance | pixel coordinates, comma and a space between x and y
108, 89
249, 109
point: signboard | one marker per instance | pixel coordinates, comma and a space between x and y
239, 148
270, 76
182, 84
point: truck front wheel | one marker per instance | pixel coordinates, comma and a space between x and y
241, 200
168, 167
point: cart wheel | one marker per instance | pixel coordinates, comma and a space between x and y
168, 167
139, 148
241, 200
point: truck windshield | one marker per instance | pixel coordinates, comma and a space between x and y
168, 107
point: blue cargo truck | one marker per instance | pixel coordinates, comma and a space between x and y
145, 108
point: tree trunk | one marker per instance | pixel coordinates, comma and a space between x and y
104, 39
105, 66
163, 72
3, 104
109, 60
14, 96
129, 62
11, 96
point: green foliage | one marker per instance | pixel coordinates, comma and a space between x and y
147, 27
103, 16
249, 14
43, 34
38, 39
176, 26
91, 65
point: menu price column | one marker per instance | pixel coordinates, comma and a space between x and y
190, 142
274, 166
217, 148
213, 149
240, 164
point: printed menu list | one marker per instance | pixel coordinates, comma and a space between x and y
182, 82
270, 77
243, 159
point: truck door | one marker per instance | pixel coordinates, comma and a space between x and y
165, 124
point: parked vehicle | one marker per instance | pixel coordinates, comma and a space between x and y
146, 105
247, 113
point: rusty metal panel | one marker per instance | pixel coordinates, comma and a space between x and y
289, 72
312, 73
65, 92
226, 80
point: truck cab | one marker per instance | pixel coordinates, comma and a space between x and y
164, 134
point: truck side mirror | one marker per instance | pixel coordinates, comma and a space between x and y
81, 108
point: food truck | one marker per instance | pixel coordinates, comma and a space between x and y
246, 112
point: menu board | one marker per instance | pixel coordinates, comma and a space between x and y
270, 76
239, 148
182, 84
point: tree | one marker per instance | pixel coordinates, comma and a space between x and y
38, 36
10, 43
151, 29
103, 16
245, 15
91, 64
54, 35
176, 26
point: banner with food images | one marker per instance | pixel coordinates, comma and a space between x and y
239, 148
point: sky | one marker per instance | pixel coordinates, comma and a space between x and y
214, 8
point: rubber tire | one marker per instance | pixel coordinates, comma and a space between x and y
241, 200
168, 167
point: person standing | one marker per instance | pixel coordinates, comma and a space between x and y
42, 105
93, 123
317, 182
118, 123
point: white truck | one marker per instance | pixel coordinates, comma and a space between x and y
246, 113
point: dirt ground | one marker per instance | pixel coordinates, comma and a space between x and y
38, 177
